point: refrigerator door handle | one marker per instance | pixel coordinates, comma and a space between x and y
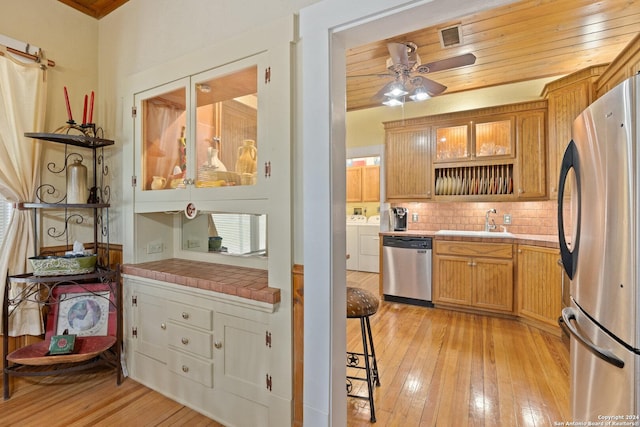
569, 257
569, 314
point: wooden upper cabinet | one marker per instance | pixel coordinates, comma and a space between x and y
493, 138
485, 138
408, 164
452, 143
354, 184
531, 163
371, 183
567, 98
625, 65
363, 183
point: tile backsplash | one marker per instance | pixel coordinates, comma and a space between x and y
526, 217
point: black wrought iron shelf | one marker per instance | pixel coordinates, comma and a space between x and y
75, 140
100, 273
62, 205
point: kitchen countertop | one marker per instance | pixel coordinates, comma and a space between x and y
250, 283
542, 240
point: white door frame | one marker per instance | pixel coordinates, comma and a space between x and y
327, 29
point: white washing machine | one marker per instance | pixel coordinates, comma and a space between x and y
369, 245
353, 223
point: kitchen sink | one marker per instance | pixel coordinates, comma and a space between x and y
496, 234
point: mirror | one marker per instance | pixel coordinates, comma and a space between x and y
226, 233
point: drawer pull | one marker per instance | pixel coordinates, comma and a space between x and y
185, 368
163, 326
217, 344
185, 340
185, 315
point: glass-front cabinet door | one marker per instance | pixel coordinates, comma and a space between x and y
162, 149
494, 138
471, 140
452, 143
226, 129
202, 134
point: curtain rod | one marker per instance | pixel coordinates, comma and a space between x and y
36, 58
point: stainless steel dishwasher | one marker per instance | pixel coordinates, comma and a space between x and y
406, 269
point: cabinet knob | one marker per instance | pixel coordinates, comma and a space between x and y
217, 344
185, 368
163, 326
185, 315
519, 251
520, 190
185, 340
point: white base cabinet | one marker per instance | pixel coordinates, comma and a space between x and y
209, 351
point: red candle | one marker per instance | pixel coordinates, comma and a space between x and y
66, 99
84, 113
91, 108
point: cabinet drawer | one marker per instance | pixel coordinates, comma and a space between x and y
196, 316
196, 370
474, 249
192, 341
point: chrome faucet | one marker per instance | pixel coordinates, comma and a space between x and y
487, 226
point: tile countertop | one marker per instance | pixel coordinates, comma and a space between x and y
250, 283
542, 240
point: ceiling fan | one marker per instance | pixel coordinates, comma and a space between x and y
405, 67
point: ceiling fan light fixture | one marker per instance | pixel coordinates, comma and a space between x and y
392, 102
395, 90
419, 94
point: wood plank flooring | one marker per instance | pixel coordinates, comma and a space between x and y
92, 399
444, 368
437, 368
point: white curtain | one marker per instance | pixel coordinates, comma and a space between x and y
22, 106
162, 147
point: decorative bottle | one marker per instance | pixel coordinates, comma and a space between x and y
77, 190
247, 157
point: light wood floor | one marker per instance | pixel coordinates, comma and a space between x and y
437, 368
444, 368
92, 400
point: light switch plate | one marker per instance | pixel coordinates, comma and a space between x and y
507, 219
154, 248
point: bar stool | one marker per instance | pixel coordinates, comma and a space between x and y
360, 305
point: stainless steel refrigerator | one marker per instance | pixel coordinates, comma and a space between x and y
599, 232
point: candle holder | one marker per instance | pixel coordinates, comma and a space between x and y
87, 129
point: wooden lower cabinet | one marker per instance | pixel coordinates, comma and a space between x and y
205, 350
473, 275
540, 280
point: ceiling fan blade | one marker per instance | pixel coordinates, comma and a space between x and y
398, 52
446, 64
372, 75
433, 88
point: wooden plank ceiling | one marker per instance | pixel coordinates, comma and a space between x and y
95, 8
522, 41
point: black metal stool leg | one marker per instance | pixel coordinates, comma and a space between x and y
363, 327
376, 377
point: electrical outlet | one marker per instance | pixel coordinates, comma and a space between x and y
414, 217
507, 219
154, 248
193, 244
